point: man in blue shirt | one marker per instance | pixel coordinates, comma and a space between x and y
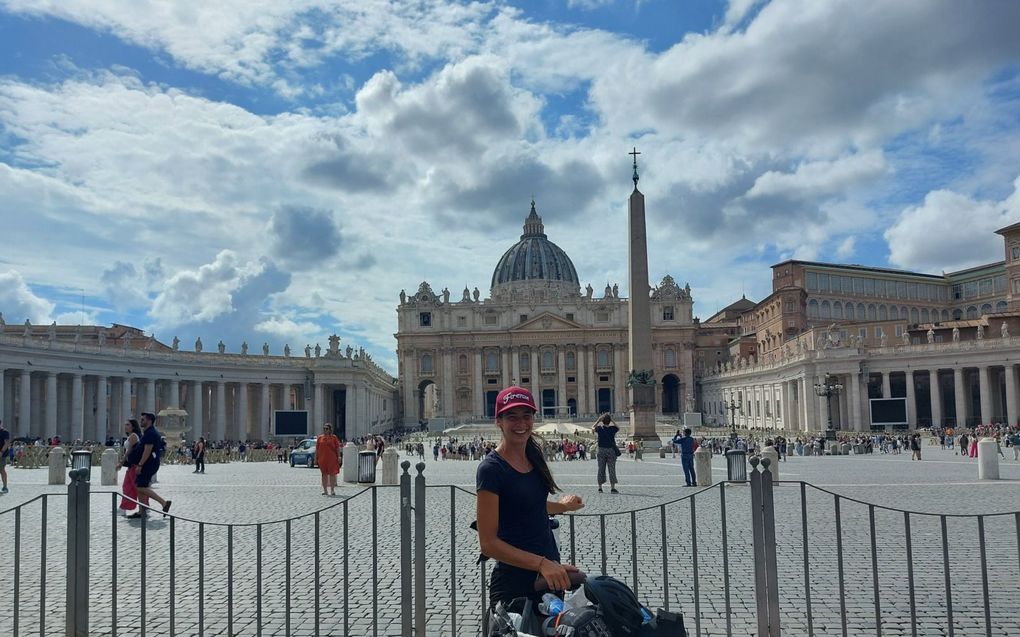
148, 464
686, 445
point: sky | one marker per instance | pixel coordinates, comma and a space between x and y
277, 171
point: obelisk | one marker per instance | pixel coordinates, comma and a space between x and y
641, 381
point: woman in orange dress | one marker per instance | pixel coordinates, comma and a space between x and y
327, 456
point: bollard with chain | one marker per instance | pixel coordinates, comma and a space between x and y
406, 599
78, 554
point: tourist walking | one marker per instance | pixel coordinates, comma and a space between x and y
688, 446
199, 453
514, 483
132, 454
915, 447
327, 456
608, 452
5, 447
973, 446
148, 464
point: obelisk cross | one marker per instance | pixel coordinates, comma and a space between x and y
635, 153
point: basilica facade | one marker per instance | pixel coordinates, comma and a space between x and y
539, 329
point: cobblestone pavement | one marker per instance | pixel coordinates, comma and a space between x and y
212, 586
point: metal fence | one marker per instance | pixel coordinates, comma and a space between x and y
755, 557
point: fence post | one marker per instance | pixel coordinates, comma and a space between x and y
763, 522
419, 551
758, 544
78, 554
406, 603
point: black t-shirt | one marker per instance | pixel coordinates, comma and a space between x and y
607, 436
150, 437
523, 520
4, 437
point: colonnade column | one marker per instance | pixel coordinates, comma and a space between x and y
125, 400
958, 397
985, 390
810, 405
102, 428
220, 422
479, 393
936, 397
150, 395
911, 400
263, 427
77, 423
24, 403
1011, 414
51, 404
196, 409
242, 408
175, 393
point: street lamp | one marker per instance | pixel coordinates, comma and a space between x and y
829, 387
733, 408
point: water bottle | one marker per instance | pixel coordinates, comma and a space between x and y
550, 605
646, 616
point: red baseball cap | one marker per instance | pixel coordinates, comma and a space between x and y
514, 397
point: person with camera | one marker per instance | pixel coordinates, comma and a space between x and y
606, 431
513, 507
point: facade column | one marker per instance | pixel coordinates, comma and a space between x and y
175, 393
150, 395
620, 373
77, 422
196, 408
810, 402
125, 400
911, 400
263, 428
411, 414
24, 403
986, 394
515, 365
102, 427
886, 386
856, 422
1011, 415
582, 382
479, 389
504, 357
220, 421
449, 383
959, 398
936, 397
242, 408
561, 377
7, 400
51, 405
593, 404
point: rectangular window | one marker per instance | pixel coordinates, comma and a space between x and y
790, 307
601, 317
1016, 286
1000, 284
879, 287
878, 331
848, 285
425, 319
901, 290
869, 287
986, 287
812, 282
899, 331
970, 289
912, 291
858, 285
667, 313
490, 319
957, 292
461, 321
570, 316
862, 333
523, 318
823, 282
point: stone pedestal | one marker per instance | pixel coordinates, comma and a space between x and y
833, 449
988, 459
108, 463
773, 456
57, 466
349, 472
390, 466
845, 449
703, 467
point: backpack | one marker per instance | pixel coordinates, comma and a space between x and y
617, 604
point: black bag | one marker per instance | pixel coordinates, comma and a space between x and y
617, 451
666, 624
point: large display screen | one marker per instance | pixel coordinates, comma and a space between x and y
290, 423
888, 411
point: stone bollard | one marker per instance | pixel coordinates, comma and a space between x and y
390, 466
833, 449
349, 472
773, 456
703, 467
662, 452
57, 466
108, 462
988, 459
845, 449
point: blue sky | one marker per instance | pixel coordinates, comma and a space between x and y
275, 171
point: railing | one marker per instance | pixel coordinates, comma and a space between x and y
758, 557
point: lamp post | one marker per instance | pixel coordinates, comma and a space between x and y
733, 408
829, 387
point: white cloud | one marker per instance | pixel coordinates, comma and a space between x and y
846, 248
820, 178
18, 302
951, 231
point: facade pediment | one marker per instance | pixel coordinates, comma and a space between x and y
546, 321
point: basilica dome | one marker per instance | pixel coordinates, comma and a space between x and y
535, 259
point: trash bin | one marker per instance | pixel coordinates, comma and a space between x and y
736, 465
366, 466
81, 459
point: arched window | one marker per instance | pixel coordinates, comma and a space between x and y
872, 312
862, 314
491, 362
1001, 306
547, 360
914, 316
525, 362
426, 363
571, 362
957, 314
603, 359
925, 317
837, 310
972, 312
986, 309
462, 364
826, 310
883, 313
670, 358
812, 309
945, 315
850, 311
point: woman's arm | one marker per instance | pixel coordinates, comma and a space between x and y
563, 505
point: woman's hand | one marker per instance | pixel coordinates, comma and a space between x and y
571, 502
556, 575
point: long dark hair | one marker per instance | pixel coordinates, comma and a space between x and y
135, 427
533, 452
